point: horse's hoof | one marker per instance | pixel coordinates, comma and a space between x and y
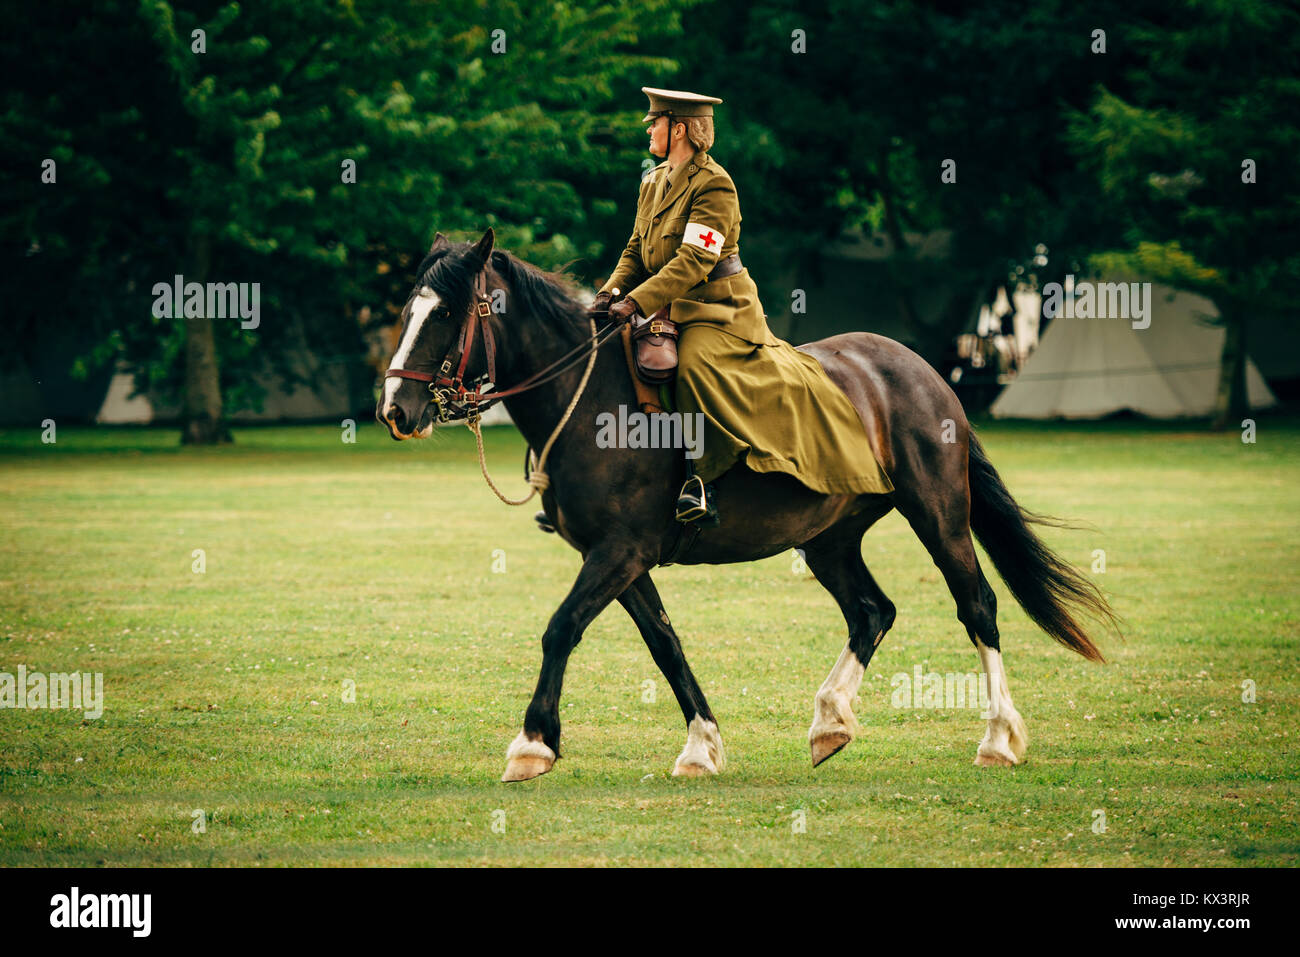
693, 770
994, 759
525, 768
703, 754
1003, 744
527, 759
825, 745
1018, 738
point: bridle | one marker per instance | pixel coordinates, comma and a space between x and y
454, 398
457, 402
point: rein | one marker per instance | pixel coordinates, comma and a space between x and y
457, 402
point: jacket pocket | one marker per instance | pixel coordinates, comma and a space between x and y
671, 236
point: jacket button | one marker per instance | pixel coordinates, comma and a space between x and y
656, 219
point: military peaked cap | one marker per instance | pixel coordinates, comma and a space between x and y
678, 103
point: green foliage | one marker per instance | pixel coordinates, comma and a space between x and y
1208, 92
1134, 153
226, 165
852, 134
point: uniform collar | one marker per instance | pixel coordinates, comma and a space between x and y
677, 181
694, 163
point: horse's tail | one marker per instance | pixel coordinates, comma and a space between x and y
1047, 588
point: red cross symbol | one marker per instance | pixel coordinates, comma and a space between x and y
707, 239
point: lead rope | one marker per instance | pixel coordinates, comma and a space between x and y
538, 481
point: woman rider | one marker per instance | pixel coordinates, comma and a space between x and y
763, 401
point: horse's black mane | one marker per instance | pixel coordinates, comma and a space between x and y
547, 295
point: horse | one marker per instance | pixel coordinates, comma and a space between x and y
615, 505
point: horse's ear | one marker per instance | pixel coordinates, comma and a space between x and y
483, 248
439, 241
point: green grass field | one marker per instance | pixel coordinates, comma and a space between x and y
329, 564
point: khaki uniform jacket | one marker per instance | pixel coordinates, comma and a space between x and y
678, 239
763, 401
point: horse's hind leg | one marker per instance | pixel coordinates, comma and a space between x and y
837, 562
945, 533
1006, 738
703, 753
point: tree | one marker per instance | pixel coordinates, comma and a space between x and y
216, 142
1201, 157
853, 134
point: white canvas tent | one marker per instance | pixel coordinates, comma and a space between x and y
1088, 368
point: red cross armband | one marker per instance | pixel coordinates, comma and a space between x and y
706, 237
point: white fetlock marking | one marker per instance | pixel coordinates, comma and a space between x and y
1005, 737
524, 747
703, 747
833, 705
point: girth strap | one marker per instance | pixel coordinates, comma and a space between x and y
687, 533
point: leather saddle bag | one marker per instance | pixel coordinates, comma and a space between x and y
654, 342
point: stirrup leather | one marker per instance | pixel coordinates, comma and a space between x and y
692, 503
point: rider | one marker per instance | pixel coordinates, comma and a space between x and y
685, 235
686, 231
763, 401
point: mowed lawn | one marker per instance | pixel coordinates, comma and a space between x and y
390, 574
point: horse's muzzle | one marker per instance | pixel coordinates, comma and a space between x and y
399, 423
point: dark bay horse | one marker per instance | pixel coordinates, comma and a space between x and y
615, 505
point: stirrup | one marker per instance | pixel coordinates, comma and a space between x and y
544, 523
692, 501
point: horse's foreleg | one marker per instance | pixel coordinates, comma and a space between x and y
703, 753
605, 574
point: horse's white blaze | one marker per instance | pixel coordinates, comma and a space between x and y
1005, 739
833, 705
703, 749
424, 304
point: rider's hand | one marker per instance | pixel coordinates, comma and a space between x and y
602, 302
624, 309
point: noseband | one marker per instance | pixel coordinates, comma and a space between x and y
453, 398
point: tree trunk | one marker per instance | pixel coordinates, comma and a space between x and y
901, 251
202, 419
1230, 403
